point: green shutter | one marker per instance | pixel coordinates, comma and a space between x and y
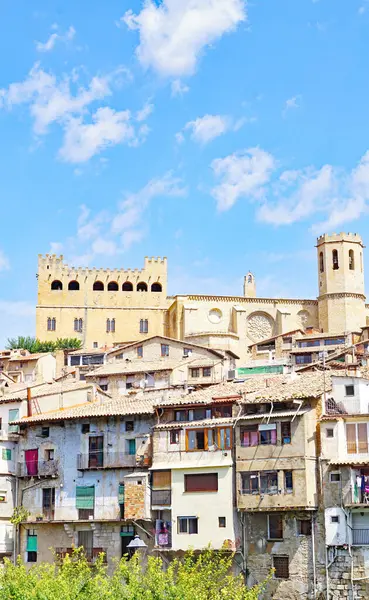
7, 454
131, 447
121, 493
32, 543
85, 496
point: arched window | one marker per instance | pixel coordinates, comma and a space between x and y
113, 286
127, 286
249, 278
73, 285
56, 285
51, 324
107, 325
142, 286
98, 286
110, 325
144, 326
321, 262
351, 260
335, 260
156, 287
78, 325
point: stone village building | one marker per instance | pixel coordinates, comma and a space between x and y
104, 307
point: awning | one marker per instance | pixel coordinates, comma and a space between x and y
121, 493
85, 497
32, 543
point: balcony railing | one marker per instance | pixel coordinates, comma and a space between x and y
40, 468
360, 537
91, 553
105, 460
347, 406
161, 497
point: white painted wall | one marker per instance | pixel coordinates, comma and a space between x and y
336, 447
357, 404
336, 533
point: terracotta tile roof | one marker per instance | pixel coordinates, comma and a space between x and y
189, 424
134, 366
168, 339
276, 415
36, 356
113, 407
275, 337
87, 352
43, 389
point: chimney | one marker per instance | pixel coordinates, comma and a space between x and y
29, 402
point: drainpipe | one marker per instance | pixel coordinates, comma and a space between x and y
313, 548
29, 402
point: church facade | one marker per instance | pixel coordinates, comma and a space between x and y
103, 307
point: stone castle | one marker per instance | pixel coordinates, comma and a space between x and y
104, 307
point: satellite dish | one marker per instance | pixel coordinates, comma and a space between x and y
142, 384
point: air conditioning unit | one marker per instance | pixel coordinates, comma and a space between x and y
231, 374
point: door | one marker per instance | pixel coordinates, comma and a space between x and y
31, 457
85, 539
48, 503
96, 451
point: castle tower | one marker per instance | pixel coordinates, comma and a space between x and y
249, 286
341, 299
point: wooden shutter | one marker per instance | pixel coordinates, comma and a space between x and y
351, 438
205, 482
161, 480
362, 436
85, 497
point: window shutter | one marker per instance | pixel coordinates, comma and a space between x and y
85, 497
7, 454
32, 543
206, 482
362, 436
161, 480
351, 438
121, 493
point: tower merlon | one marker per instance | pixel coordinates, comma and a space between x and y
327, 238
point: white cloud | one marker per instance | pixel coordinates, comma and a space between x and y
145, 112
4, 262
179, 88
55, 248
83, 140
291, 103
55, 37
241, 174
329, 196
207, 128
103, 246
174, 33
132, 236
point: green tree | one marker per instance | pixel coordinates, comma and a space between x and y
34, 345
204, 576
24, 342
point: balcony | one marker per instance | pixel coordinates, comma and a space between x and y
161, 497
163, 534
105, 460
40, 468
91, 553
360, 537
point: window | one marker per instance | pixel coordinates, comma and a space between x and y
13, 415
334, 341
195, 373
127, 286
303, 359
187, 351
140, 352
48, 502
113, 286
174, 436
222, 411
188, 525
96, 344
144, 326
329, 432
286, 432
288, 482
335, 519
51, 324
303, 527
350, 390
45, 431
131, 447
222, 522
73, 285
201, 482
196, 439
197, 414
85, 428
321, 262
181, 415
275, 527
267, 435
49, 454
142, 286
31, 547
253, 435
78, 325
357, 438
86, 541
335, 477
95, 451
130, 425
351, 260
250, 483
98, 286
156, 287
249, 436
85, 501
281, 567
164, 350
3, 496
335, 260
203, 439
57, 285
121, 499
110, 325
6, 454
206, 372
269, 482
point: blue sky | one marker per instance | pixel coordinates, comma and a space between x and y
220, 134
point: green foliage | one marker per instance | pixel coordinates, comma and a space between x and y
34, 345
201, 577
19, 515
